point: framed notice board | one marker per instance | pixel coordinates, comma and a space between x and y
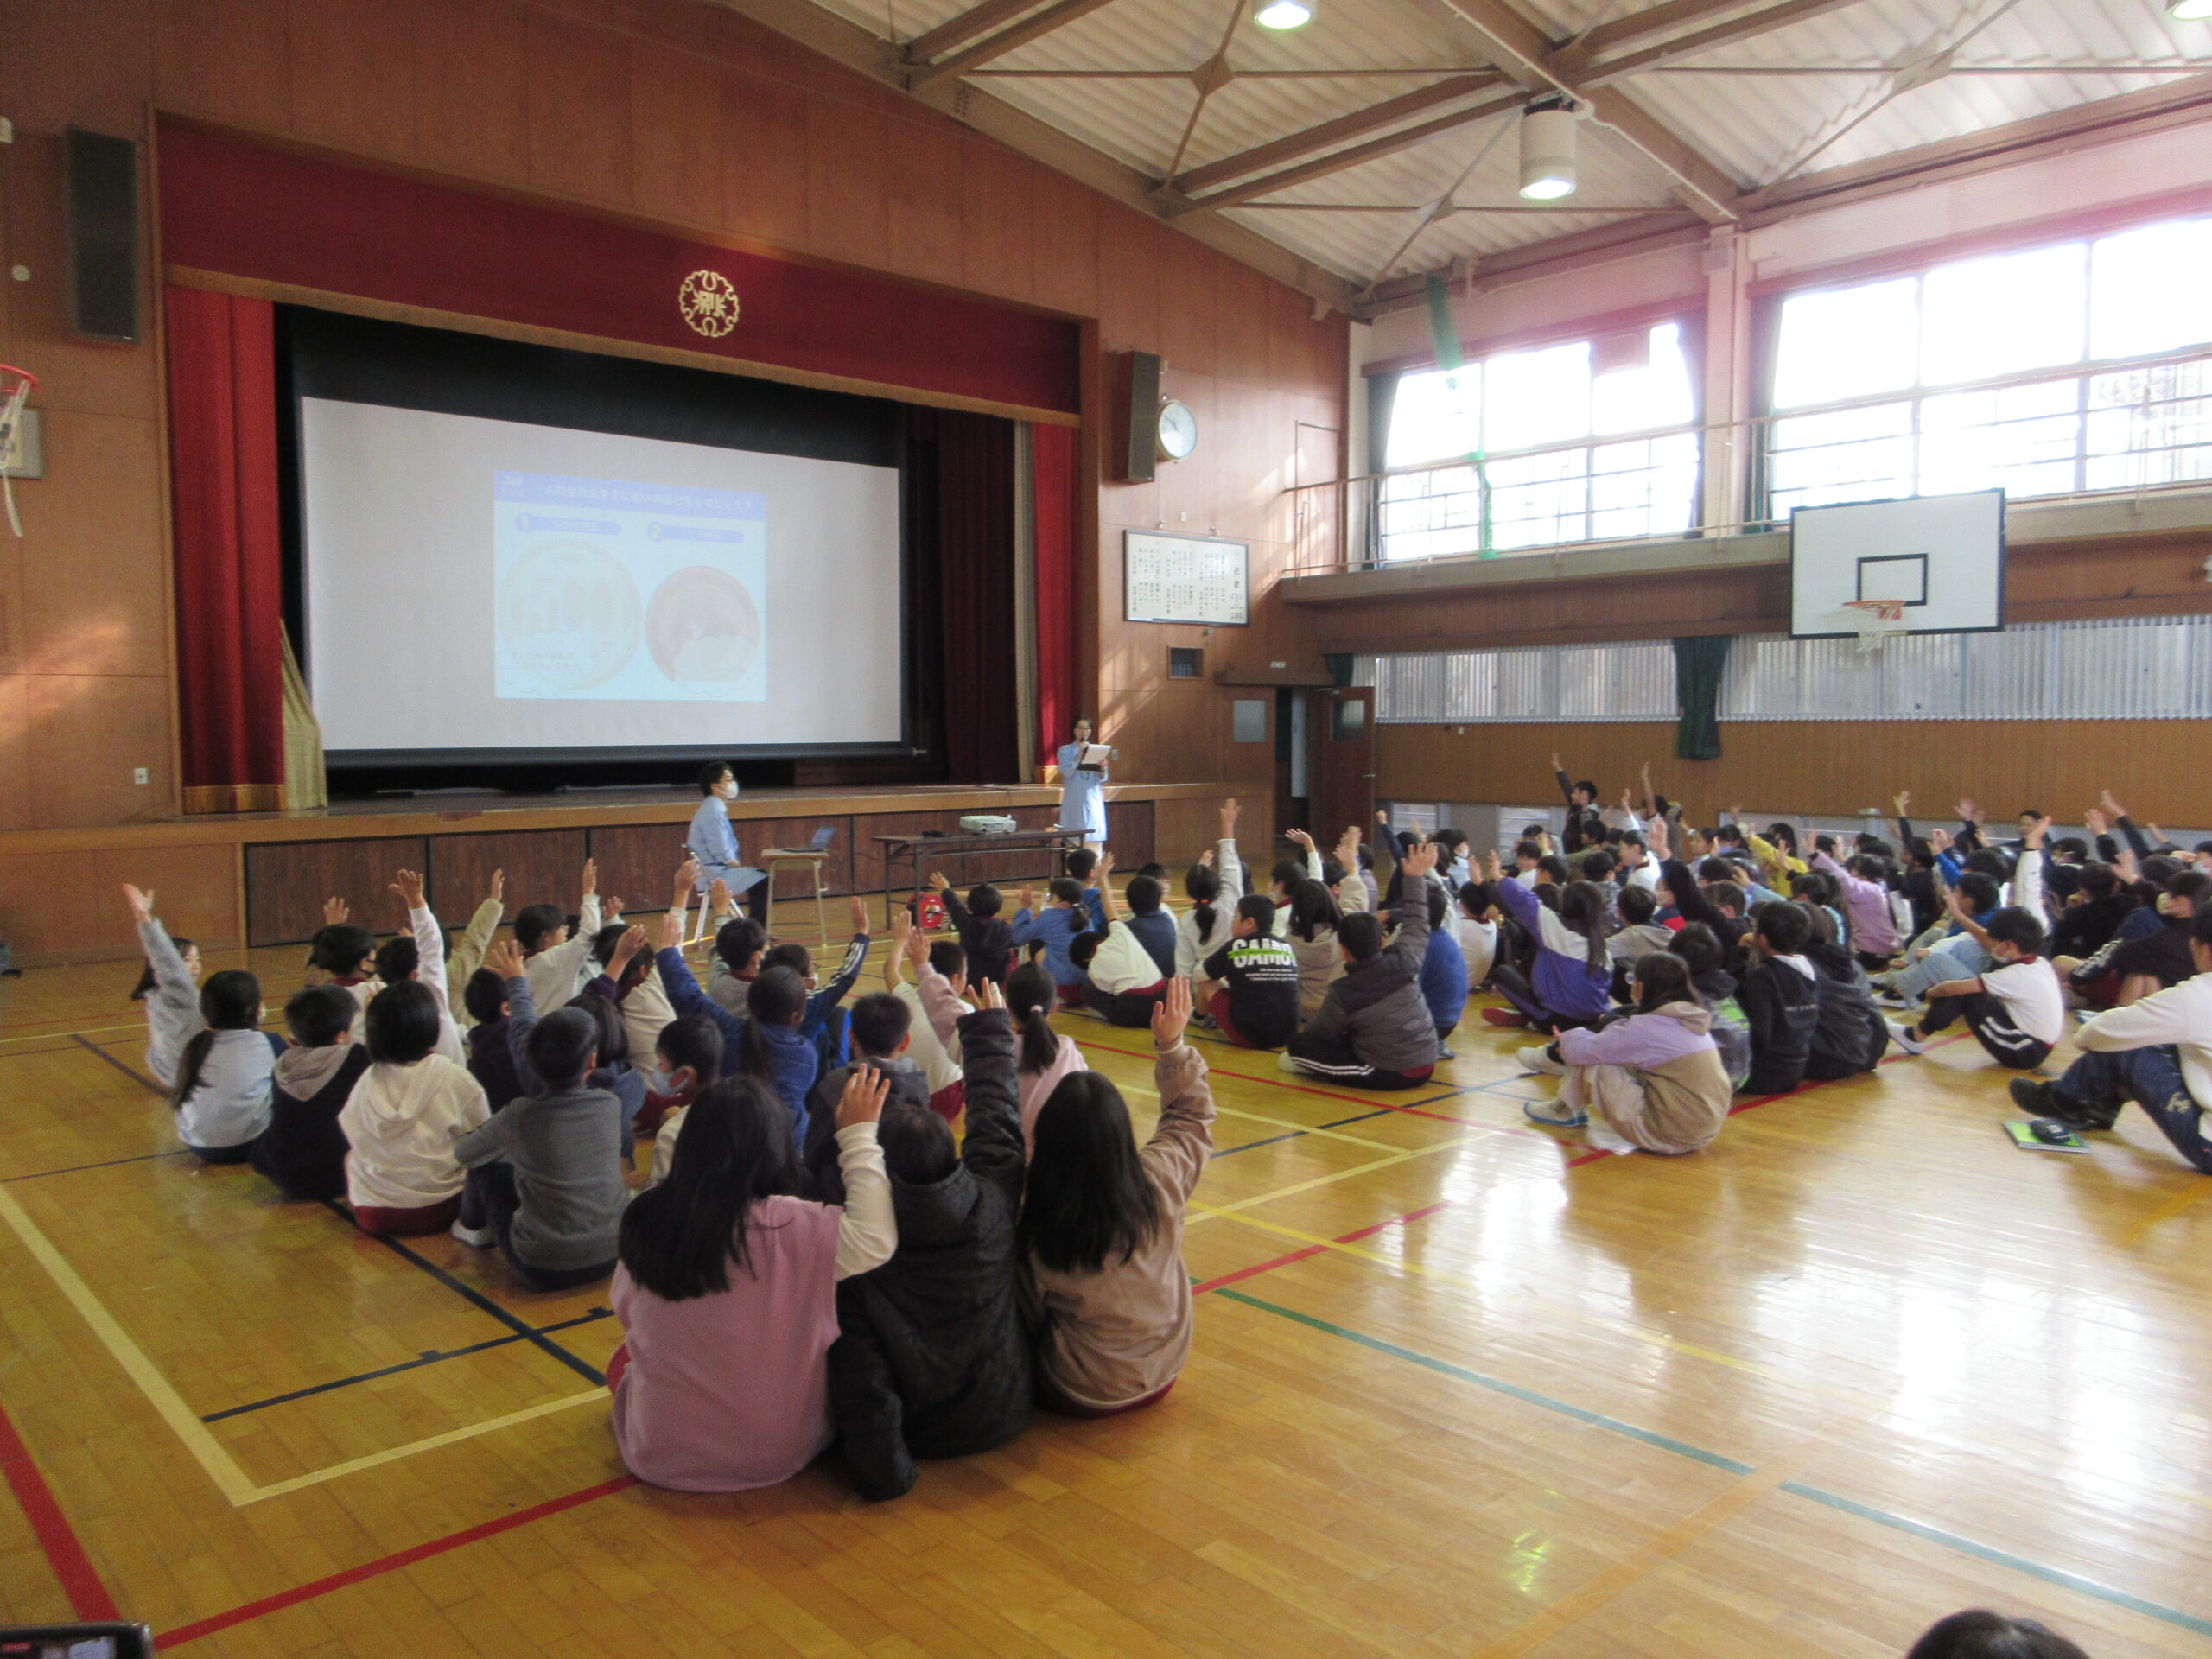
1184, 578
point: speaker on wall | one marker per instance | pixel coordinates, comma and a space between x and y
1136, 416
102, 210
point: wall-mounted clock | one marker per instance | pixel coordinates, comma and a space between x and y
1177, 430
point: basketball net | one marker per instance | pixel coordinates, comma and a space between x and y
15, 385
1876, 619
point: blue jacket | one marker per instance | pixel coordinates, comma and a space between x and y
824, 1024
1444, 979
1056, 930
790, 1056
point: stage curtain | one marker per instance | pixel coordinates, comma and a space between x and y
307, 781
1700, 662
222, 387
1052, 486
960, 498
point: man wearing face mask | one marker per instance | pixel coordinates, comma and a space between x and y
713, 843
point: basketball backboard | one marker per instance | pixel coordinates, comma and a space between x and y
1940, 557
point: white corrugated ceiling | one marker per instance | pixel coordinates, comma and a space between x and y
1777, 101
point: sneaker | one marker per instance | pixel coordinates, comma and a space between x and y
1443, 1054
2040, 1099
477, 1238
1906, 1038
1559, 1116
1891, 1001
1504, 1017
1540, 1059
1203, 1022
1285, 1063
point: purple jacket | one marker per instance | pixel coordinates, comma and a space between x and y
1867, 905
1641, 1041
1566, 981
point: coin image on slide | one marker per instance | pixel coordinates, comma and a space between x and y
568, 616
703, 627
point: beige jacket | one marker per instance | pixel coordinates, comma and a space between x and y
1122, 1332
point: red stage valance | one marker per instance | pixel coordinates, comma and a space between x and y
244, 211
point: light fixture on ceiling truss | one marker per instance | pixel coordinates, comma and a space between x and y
1548, 151
1284, 14
2190, 11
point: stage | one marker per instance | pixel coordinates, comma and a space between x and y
229, 881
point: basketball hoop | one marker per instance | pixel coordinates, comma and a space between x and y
1876, 621
15, 385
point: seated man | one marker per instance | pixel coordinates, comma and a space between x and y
1375, 1030
2155, 1050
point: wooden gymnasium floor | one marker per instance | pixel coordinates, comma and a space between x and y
1459, 1388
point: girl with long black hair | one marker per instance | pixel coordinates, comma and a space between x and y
727, 1291
1101, 1231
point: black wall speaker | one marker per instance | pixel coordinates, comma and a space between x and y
103, 236
1136, 416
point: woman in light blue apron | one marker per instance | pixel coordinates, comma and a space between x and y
1083, 793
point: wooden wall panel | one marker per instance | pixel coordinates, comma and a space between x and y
470, 100
66, 907
675, 135
577, 84
544, 866
1128, 833
2156, 766
848, 204
924, 209
332, 102
638, 862
286, 883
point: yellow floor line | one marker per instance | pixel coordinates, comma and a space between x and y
221, 1468
2132, 1233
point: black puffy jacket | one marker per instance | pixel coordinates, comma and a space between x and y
1783, 1007
931, 1360
1850, 1036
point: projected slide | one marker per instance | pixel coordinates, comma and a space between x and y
609, 589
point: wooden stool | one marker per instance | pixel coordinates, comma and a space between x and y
811, 859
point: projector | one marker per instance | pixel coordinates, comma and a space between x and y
988, 823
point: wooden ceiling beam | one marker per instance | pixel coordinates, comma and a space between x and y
1034, 27
1357, 124
1763, 21
958, 31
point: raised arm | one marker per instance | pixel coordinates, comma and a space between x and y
992, 1148
483, 927
940, 1006
1183, 1140
867, 1228
2126, 825
172, 980
1225, 857
429, 938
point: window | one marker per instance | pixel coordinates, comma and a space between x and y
1541, 418
1249, 719
1347, 720
1186, 663
1976, 352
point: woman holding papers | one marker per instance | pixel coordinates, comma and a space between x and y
1082, 785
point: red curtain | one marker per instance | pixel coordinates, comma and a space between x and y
1052, 486
961, 506
222, 381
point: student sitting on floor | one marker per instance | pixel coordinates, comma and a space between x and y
948, 959
765, 1044
303, 1150
1655, 1079
1125, 983
1045, 1058
2155, 1050
344, 953
2150, 951
1101, 1233
986, 937
1063, 920
1573, 980
168, 986
1980, 1634
545, 1173
823, 1022
420, 954
722, 1383
553, 961
1257, 1001
636, 992
931, 1360
491, 1057
1373, 1030
1206, 926
466, 955
2017, 1007
406, 1118
1443, 970
1476, 927
220, 1092
1715, 986
1849, 1036
691, 1055
1314, 919
735, 963
1780, 999
1639, 937
1154, 927
880, 1031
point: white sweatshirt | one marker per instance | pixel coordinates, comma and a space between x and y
555, 975
401, 1122
2181, 1014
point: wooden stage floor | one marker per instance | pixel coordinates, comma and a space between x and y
1460, 1387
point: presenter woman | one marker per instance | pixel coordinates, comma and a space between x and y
714, 842
1082, 789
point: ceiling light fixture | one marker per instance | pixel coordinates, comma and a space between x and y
1285, 14
1546, 151
2190, 11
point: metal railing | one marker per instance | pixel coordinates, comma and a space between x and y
2139, 426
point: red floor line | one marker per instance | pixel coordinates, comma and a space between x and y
81, 1580
292, 1598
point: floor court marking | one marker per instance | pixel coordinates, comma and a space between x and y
130, 1071
106, 1163
429, 1356
1294, 1134
1922, 1530
522, 1329
80, 1581
229, 1478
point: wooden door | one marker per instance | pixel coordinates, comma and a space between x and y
1319, 514
1347, 792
